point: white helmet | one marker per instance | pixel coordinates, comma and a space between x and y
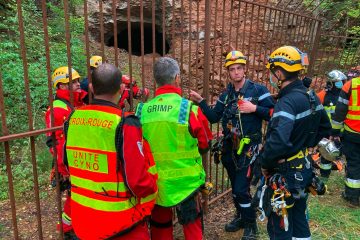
336, 76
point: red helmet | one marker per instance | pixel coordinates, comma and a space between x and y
126, 80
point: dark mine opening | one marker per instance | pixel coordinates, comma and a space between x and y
122, 38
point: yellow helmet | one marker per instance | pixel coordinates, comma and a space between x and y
289, 58
234, 57
95, 61
61, 75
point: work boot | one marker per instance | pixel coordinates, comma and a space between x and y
353, 201
235, 225
250, 231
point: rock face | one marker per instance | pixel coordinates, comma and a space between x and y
122, 21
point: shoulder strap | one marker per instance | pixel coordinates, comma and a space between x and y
311, 96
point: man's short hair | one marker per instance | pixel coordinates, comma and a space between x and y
106, 79
288, 75
165, 70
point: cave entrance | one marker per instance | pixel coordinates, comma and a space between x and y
123, 36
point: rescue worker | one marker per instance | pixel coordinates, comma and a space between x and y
298, 122
347, 116
328, 98
112, 171
178, 134
242, 107
138, 93
95, 61
62, 108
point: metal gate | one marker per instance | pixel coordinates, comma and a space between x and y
196, 33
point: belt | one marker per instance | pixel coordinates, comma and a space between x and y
296, 161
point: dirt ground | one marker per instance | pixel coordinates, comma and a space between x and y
218, 215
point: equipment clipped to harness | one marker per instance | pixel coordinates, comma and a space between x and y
276, 193
317, 186
216, 149
243, 141
328, 149
207, 188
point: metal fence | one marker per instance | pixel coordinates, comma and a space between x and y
196, 33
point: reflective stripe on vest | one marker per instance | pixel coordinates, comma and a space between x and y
60, 104
177, 159
99, 190
352, 120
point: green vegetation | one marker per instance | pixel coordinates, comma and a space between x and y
12, 71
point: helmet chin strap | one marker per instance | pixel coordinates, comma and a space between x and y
279, 82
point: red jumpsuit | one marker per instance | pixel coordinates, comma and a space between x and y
61, 114
161, 217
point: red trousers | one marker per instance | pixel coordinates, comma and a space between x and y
140, 232
161, 215
66, 216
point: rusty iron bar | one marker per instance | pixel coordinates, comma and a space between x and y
11, 137
283, 33
163, 27
207, 71
101, 19
87, 46
173, 29
255, 45
266, 47
142, 44
214, 55
130, 54
315, 48
153, 38
182, 42
116, 44
250, 35
189, 60
222, 178
50, 97
261, 47
303, 32
223, 194
293, 31
68, 45
237, 26
207, 46
231, 18
5, 131
273, 40
298, 36
311, 35
306, 36
274, 8
197, 45
30, 117
222, 39
244, 29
